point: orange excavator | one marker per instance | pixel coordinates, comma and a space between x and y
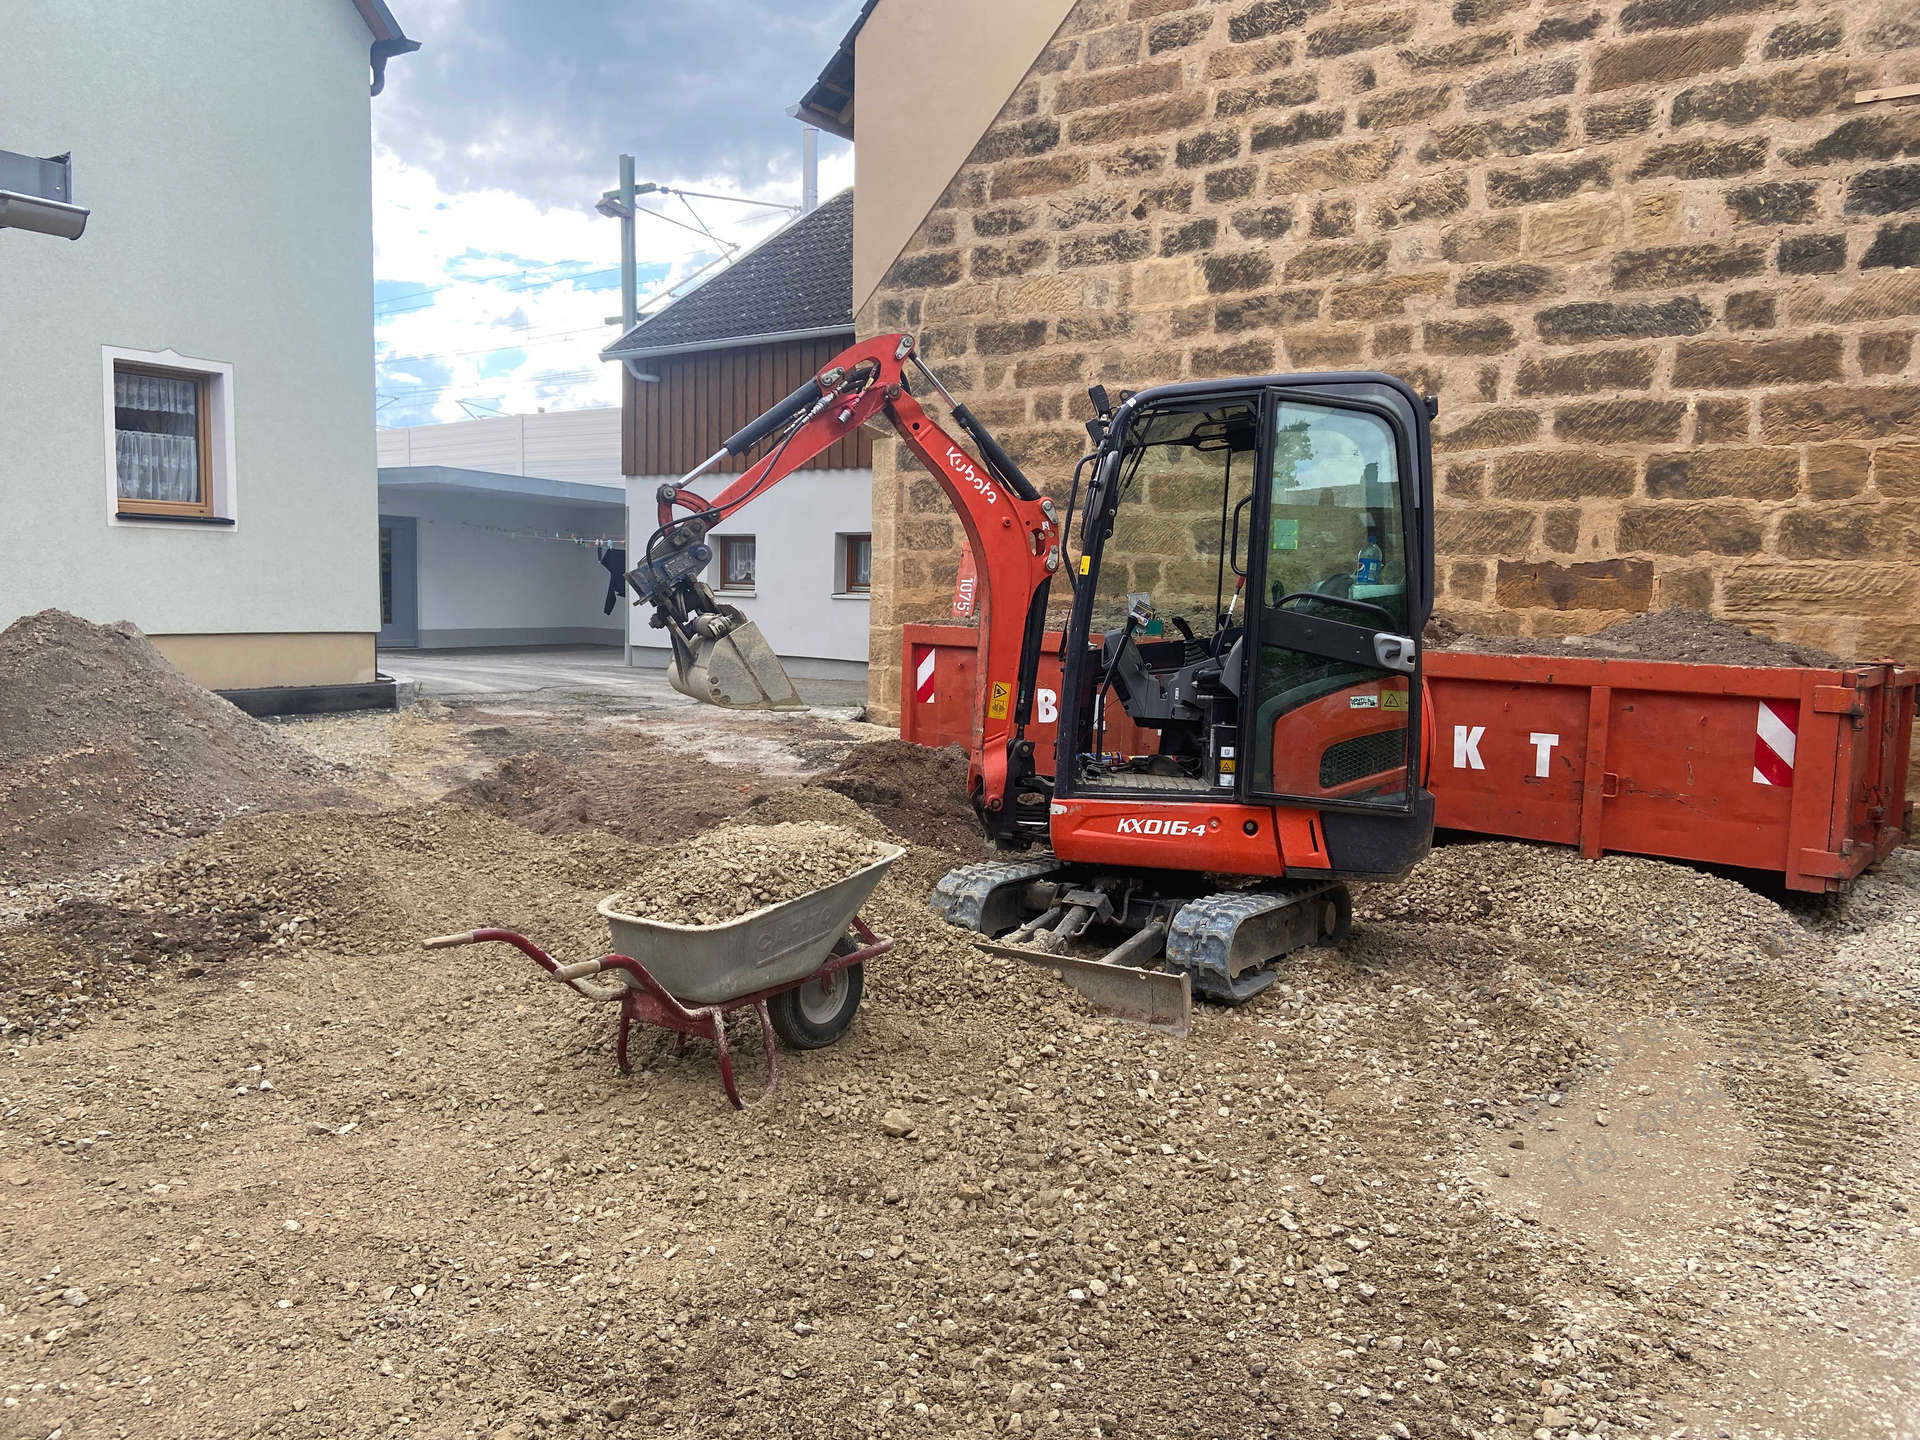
1240, 726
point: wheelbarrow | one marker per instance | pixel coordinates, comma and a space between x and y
798, 965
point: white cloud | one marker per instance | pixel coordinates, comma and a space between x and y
489, 297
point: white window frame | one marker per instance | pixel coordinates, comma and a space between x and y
220, 450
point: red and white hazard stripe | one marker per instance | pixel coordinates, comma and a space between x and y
1775, 733
923, 676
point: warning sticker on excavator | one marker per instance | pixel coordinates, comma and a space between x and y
1393, 700
997, 701
1086, 563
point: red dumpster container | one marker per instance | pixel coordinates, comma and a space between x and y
1802, 772
1798, 771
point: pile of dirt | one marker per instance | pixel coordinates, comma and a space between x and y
738, 869
643, 792
918, 792
1690, 636
109, 756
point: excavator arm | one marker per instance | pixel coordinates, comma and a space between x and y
719, 656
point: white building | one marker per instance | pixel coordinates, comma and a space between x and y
184, 389
796, 559
492, 531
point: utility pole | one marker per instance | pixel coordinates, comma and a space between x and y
809, 170
629, 312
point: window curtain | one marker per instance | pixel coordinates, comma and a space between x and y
157, 437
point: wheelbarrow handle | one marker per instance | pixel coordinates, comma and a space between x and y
579, 970
441, 942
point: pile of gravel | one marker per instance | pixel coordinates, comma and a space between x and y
110, 756
737, 869
1689, 636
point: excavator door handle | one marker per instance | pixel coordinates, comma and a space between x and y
1394, 652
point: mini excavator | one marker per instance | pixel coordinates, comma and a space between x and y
1240, 726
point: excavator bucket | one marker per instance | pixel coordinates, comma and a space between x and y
733, 665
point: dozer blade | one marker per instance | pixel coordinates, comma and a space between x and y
736, 668
1158, 999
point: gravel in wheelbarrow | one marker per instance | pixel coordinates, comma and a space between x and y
798, 964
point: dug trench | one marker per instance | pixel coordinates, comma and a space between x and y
1548, 1145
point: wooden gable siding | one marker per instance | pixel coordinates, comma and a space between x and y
671, 425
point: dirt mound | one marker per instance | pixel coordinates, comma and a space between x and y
109, 755
1678, 634
918, 792
737, 869
644, 792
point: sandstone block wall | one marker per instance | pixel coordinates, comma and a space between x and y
1653, 258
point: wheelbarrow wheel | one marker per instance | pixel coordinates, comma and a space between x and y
818, 1013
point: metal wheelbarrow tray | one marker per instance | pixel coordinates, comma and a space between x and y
796, 964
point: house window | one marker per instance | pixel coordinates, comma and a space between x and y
736, 561
856, 562
163, 452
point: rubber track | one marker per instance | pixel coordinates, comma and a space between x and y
962, 894
1200, 940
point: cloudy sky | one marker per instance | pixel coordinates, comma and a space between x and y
493, 275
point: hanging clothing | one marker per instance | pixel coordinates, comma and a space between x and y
614, 558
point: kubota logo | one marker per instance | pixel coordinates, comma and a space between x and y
963, 467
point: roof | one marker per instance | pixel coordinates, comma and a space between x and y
828, 104
389, 39
452, 479
795, 284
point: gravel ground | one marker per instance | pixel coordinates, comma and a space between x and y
1613, 1148
730, 872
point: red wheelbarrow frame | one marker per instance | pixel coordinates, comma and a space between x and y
643, 998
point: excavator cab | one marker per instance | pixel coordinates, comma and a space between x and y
1256, 562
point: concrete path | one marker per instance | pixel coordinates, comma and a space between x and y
592, 669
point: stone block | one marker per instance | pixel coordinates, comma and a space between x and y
1837, 472
1394, 340
1886, 353
1131, 162
1523, 84
1804, 37
1748, 473
1668, 266
1506, 285
1003, 222
1232, 183
1247, 357
1883, 191
1896, 473
998, 262
1467, 580
1563, 475
1119, 45
1114, 247
1043, 295
1786, 94
1684, 587
1433, 197
1560, 529
1522, 135
1463, 482
1563, 30
1549, 180
1188, 236
1644, 15
1812, 254
1336, 257
1457, 54
1484, 335
1260, 312
1390, 109
923, 271
1176, 198
1367, 32
1884, 136
1300, 128
1145, 117
1332, 219
1862, 530
1332, 167
1044, 176
1841, 412
1489, 430
1722, 420
1750, 310
1244, 270
1494, 237
1585, 372
1266, 222
1269, 94
1703, 159
1578, 585
1479, 12
1209, 147
1736, 364
1872, 297
1030, 137
1167, 282
1268, 17
1682, 528
1618, 120
1574, 231
1479, 530
1660, 58
1894, 247
1373, 299
1774, 202
1324, 349
1620, 422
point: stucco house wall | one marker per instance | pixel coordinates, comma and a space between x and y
1654, 258
223, 148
